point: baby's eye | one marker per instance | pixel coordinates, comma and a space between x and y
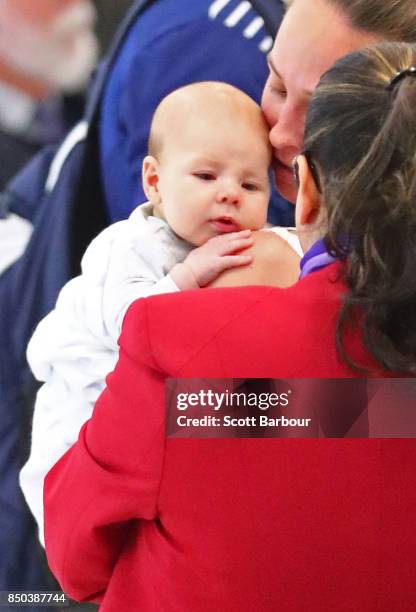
249, 187
205, 176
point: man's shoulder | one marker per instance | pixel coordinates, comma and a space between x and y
230, 13
222, 18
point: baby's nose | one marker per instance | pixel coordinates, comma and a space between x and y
229, 195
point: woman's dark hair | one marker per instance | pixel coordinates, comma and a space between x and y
361, 134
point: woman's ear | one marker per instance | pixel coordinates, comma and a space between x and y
309, 200
150, 179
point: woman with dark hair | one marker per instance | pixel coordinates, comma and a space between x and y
138, 521
362, 171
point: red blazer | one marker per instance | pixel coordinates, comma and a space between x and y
139, 522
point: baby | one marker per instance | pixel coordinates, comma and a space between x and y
206, 176
206, 179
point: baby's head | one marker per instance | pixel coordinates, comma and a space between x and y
209, 155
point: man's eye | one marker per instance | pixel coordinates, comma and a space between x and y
205, 176
278, 90
249, 187
282, 93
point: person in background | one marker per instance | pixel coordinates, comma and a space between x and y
137, 520
47, 52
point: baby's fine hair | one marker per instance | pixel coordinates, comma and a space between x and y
202, 95
360, 134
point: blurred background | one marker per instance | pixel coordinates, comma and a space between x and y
109, 13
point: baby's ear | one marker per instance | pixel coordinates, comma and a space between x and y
150, 179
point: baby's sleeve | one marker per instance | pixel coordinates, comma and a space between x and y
139, 267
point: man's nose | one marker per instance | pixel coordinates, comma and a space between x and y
286, 135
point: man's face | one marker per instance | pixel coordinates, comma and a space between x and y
41, 12
213, 179
50, 40
313, 35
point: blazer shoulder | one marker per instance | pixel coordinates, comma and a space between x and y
176, 328
171, 328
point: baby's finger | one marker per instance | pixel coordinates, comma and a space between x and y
233, 261
239, 234
220, 238
237, 244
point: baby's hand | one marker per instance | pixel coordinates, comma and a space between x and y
206, 262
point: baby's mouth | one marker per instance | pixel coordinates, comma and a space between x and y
225, 224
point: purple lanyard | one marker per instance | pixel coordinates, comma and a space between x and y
316, 258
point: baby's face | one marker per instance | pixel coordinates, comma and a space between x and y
213, 179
